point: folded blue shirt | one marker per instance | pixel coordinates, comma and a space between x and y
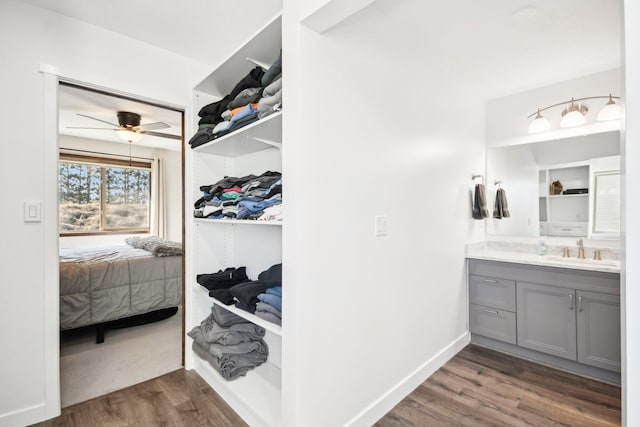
276, 290
272, 300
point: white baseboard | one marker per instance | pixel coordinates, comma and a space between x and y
391, 398
24, 416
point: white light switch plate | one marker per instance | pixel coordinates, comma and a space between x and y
382, 225
32, 212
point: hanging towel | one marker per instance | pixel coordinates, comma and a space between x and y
500, 207
480, 210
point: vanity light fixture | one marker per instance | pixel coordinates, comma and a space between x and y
574, 113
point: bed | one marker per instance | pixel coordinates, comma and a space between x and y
103, 284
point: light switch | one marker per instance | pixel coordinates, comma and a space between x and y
32, 212
382, 225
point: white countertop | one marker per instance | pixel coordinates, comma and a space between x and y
527, 253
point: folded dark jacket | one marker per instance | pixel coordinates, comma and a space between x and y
227, 182
201, 137
223, 279
253, 79
251, 308
224, 317
247, 293
215, 108
222, 295
210, 119
272, 276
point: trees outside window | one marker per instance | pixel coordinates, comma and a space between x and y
103, 195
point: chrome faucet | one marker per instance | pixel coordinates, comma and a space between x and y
580, 249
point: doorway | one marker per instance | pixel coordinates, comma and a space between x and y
120, 169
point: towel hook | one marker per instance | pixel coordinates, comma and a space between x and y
477, 175
497, 182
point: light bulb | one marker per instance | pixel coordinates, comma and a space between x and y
129, 135
611, 111
539, 124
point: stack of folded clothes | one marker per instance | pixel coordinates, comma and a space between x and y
219, 283
248, 197
232, 345
269, 306
254, 97
262, 297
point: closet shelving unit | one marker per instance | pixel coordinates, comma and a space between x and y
218, 244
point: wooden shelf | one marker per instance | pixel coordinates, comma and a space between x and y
272, 327
258, 136
236, 221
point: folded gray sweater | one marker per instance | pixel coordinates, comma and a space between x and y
232, 335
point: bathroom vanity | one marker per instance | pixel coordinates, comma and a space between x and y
562, 312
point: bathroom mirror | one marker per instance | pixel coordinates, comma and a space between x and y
586, 167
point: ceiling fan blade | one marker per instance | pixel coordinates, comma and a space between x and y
100, 120
162, 135
82, 127
155, 126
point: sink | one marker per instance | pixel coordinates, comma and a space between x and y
586, 261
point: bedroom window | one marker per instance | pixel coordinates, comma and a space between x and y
103, 195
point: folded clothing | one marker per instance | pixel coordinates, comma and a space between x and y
230, 361
269, 317
232, 335
263, 306
273, 300
222, 295
276, 290
223, 279
224, 317
274, 70
247, 96
272, 276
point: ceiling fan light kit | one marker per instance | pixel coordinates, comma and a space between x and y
129, 128
574, 114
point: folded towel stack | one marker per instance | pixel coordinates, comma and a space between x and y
232, 345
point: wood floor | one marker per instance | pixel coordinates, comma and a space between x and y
180, 398
478, 387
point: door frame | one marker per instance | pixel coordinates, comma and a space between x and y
51, 242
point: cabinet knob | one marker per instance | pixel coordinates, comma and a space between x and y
580, 303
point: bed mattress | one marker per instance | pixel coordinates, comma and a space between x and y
108, 283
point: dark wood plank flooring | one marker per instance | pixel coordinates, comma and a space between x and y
478, 387
180, 398
481, 387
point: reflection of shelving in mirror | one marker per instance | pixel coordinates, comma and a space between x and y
564, 214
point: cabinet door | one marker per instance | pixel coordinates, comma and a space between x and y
599, 330
546, 319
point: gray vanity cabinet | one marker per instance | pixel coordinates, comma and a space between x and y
546, 319
567, 318
598, 327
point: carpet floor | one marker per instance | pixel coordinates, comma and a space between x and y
128, 356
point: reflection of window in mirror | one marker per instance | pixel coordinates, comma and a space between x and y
606, 218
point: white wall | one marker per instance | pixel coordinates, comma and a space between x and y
30, 37
507, 117
372, 314
173, 184
631, 212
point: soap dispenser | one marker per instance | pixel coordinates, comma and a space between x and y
542, 247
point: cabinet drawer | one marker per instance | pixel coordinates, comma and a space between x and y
567, 228
492, 292
492, 323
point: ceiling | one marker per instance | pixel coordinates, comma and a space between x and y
493, 47
73, 101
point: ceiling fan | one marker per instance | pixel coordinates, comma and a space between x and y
129, 127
